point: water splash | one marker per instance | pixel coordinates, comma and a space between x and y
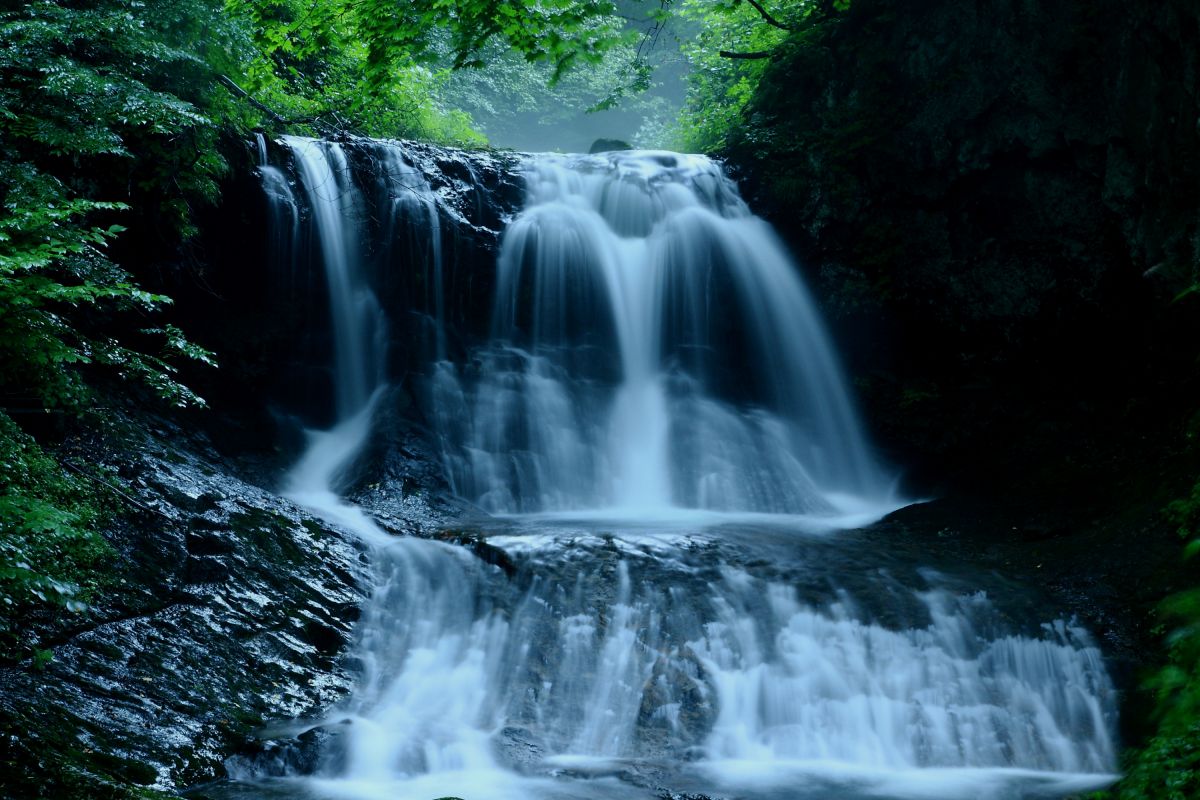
709, 676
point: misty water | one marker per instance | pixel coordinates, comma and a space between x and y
662, 444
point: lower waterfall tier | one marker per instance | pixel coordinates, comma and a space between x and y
723, 661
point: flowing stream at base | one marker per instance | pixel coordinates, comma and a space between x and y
661, 427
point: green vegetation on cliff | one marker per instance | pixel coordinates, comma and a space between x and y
736, 43
1167, 766
101, 111
50, 547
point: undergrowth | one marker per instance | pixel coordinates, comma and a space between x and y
1167, 766
51, 549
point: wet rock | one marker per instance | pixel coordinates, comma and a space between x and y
487, 553
298, 748
230, 607
519, 749
227, 629
265, 309
608, 145
675, 721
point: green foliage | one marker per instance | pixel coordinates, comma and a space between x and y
380, 67
49, 548
1168, 766
98, 111
116, 86
720, 86
52, 268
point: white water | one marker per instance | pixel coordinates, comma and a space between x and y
653, 350
283, 223
617, 661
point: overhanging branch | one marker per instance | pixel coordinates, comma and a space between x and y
757, 54
275, 116
766, 15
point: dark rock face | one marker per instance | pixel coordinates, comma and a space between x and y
263, 304
608, 145
230, 607
996, 199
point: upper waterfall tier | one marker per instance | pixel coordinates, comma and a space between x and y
626, 339
652, 349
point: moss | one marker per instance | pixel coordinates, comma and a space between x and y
46, 758
270, 533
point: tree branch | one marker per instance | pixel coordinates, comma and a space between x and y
129, 499
229, 84
766, 15
758, 54
275, 116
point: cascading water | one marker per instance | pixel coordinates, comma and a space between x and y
358, 333
283, 223
653, 350
654, 355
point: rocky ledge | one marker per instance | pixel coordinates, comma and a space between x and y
230, 608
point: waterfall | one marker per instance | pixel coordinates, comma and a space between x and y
653, 350
652, 355
358, 334
283, 217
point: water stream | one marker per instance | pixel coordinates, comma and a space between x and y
660, 427
653, 350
